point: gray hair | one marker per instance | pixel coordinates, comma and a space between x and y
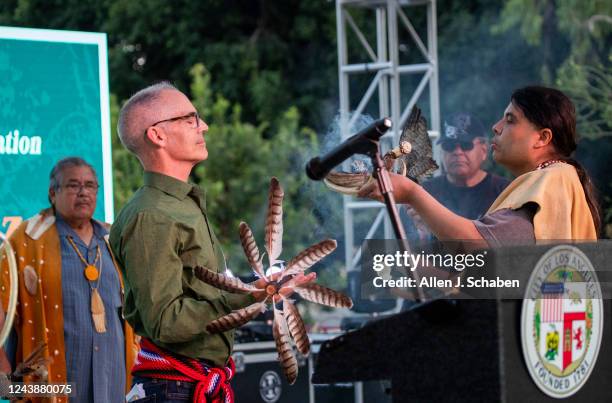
129, 127
55, 177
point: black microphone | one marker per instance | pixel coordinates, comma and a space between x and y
318, 168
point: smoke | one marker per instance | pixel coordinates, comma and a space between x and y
325, 204
333, 136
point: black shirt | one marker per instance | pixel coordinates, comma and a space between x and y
469, 202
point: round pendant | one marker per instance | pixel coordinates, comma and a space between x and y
91, 273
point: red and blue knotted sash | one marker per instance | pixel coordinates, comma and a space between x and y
212, 383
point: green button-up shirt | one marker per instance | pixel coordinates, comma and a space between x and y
158, 238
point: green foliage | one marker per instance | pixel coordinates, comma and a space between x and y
591, 89
274, 66
242, 159
260, 53
478, 71
263, 55
583, 70
587, 73
589, 24
527, 14
127, 171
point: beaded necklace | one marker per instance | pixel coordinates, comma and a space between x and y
548, 163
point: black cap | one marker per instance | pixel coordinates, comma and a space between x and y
461, 127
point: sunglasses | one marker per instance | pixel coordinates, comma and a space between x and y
193, 118
449, 146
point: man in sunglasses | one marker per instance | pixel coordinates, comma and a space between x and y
464, 186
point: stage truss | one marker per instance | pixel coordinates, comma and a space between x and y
392, 18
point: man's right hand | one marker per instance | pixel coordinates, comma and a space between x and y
402, 189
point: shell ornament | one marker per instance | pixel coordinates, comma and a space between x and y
278, 286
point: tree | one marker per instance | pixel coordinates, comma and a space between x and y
242, 159
269, 57
584, 68
264, 55
127, 171
584, 72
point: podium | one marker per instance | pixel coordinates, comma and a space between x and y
464, 350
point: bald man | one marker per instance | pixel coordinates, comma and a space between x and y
161, 234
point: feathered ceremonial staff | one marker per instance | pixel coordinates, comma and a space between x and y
278, 287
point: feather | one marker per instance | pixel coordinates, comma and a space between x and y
351, 180
274, 221
231, 284
419, 161
236, 318
323, 295
296, 327
250, 249
414, 156
34, 362
309, 256
347, 183
283, 346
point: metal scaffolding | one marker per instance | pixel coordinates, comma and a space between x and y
384, 63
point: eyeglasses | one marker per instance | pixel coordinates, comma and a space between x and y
75, 188
193, 118
449, 146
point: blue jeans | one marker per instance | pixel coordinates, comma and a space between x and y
162, 390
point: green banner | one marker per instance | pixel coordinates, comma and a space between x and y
53, 104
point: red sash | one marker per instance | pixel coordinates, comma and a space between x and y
212, 383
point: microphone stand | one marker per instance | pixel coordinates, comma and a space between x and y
384, 183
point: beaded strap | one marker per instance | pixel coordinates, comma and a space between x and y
549, 163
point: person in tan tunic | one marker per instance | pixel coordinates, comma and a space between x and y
552, 195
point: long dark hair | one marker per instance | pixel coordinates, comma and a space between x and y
552, 109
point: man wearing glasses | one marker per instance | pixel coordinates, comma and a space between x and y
70, 292
464, 187
161, 234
